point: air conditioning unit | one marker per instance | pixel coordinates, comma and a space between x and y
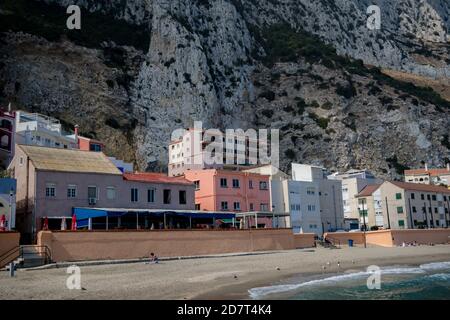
92, 201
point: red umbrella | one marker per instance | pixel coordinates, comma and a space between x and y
45, 225
2, 222
74, 223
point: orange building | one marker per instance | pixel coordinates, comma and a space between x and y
226, 190
88, 144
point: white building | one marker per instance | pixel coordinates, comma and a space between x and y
353, 181
313, 201
303, 202
329, 191
436, 176
41, 130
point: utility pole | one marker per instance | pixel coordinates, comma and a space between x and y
11, 192
387, 212
410, 213
334, 208
426, 214
431, 213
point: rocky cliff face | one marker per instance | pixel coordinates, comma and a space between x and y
139, 69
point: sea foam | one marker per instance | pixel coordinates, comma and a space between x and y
436, 266
263, 291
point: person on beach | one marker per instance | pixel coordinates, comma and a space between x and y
153, 258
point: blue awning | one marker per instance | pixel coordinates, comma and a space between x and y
86, 213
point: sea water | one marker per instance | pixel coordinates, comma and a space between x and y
427, 281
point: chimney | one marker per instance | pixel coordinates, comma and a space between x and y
76, 131
448, 166
426, 166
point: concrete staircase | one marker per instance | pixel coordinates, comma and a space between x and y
27, 257
32, 256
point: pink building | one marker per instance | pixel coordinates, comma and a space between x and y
226, 190
52, 182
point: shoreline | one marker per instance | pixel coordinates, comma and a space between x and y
211, 278
240, 291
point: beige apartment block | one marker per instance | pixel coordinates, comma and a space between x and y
190, 150
402, 205
353, 182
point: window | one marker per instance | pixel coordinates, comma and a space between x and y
134, 195
167, 196
71, 191
413, 196
224, 205
428, 197
50, 190
264, 207
363, 213
262, 185
399, 209
223, 183
398, 196
310, 191
182, 196
414, 209
4, 141
250, 184
311, 207
92, 193
110, 193
95, 147
251, 207
422, 196
435, 210
401, 223
6, 124
237, 206
21, 161
197, 184
236, 183
151, 195
433, 197
197, 206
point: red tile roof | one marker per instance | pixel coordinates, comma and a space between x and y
420, 187
431, 172
368, 190
155, 178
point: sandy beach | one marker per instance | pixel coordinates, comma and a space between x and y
207, 278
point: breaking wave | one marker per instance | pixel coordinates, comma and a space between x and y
422, 269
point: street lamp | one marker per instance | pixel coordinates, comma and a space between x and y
364, 221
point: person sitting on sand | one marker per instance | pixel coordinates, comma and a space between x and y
153, 258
